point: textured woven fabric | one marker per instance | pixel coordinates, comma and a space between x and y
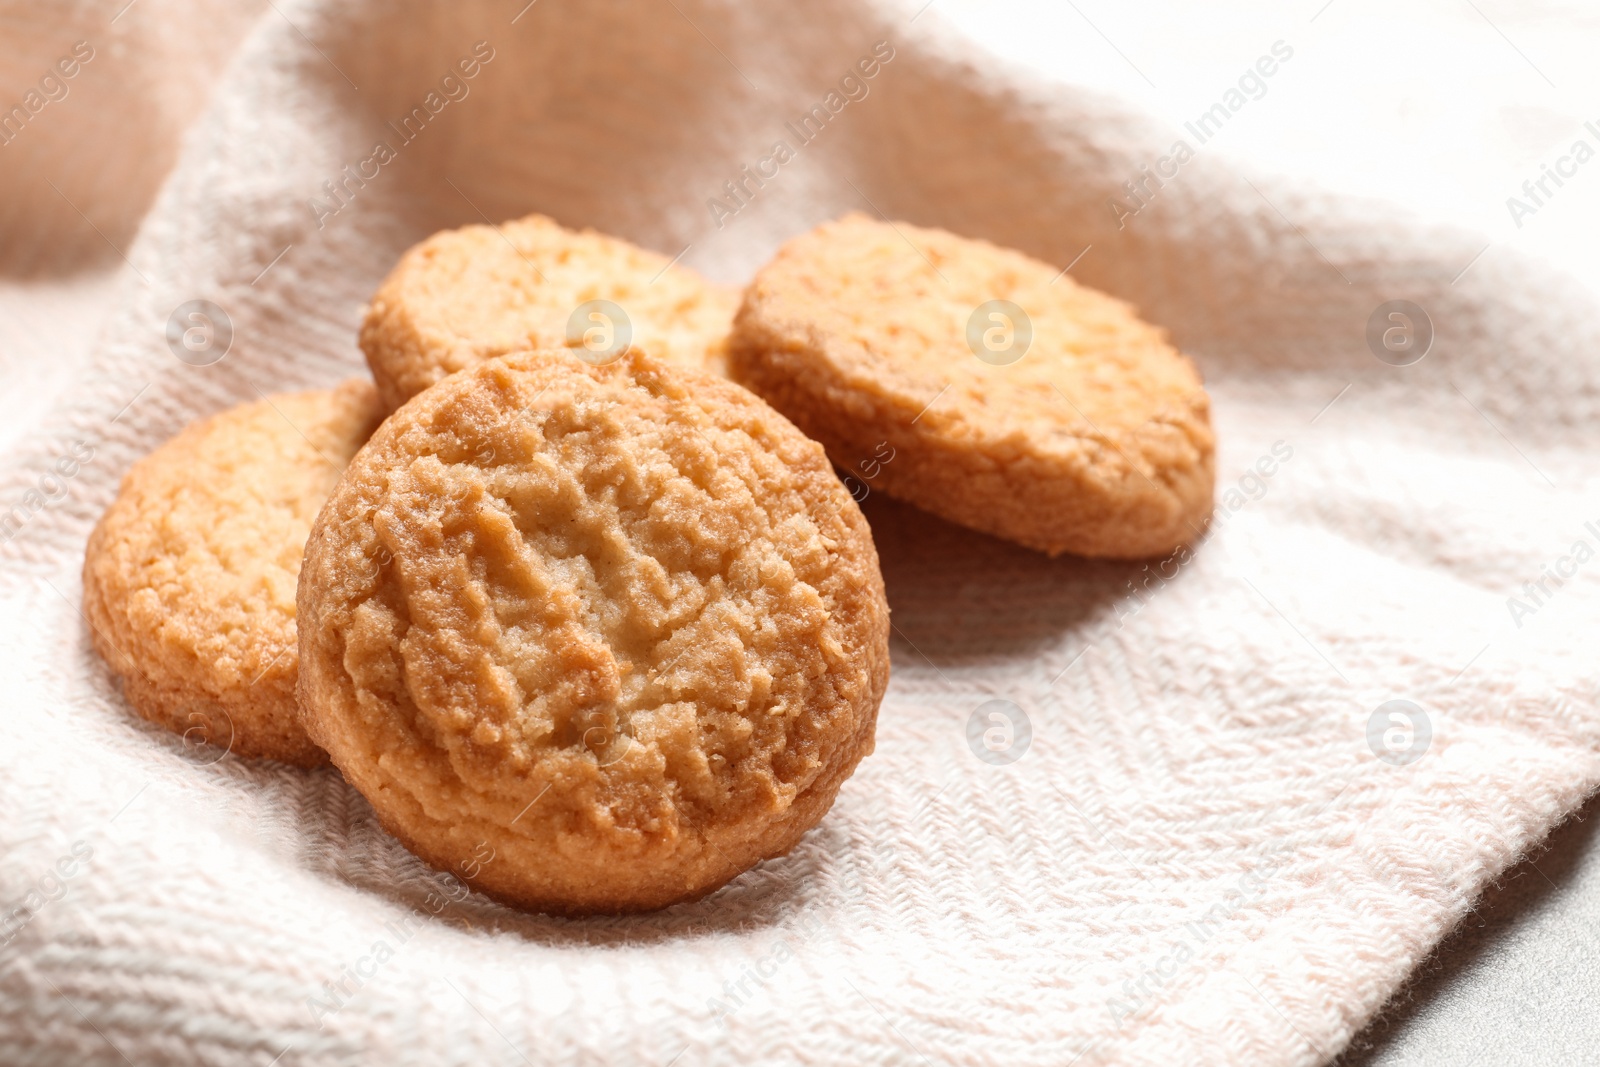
1191, 842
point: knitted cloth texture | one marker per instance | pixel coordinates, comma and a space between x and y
1199, 831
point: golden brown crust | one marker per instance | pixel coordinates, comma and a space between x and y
463, 296
1095, 441
189, 577
620, 628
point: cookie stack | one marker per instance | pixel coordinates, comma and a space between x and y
591, 625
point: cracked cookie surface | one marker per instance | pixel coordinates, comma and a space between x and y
620, 628
189, 577
463, 296
1093, 436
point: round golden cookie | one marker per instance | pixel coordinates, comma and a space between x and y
189, 577
1072, 426
462, 296
593, 638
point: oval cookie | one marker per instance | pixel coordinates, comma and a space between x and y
594, 639
189, 578
462, 296
982, 385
